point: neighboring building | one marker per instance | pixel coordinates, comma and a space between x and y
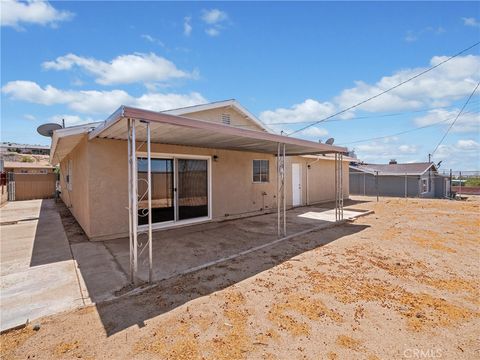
27, 167
9, 147
393, 179
209, 162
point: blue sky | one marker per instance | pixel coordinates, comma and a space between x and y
288, 63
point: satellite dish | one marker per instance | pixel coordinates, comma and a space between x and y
48, 129
330, 141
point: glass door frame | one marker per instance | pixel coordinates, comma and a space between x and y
175, 158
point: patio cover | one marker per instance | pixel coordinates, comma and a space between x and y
176, 130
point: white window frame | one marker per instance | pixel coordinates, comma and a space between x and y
268, 172
424, 184
69, 174
175, 157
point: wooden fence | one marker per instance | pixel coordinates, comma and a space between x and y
34, 186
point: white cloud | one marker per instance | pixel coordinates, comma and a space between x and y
161, 101
187, 26
29, 117
215, 20
97, 102
447, 83
214, 16
468, 145
313, 132
152, 39
71, 120
212, 32
381, 151
467, 122
413, 36
309, 110
410, 37
408, 149
14, 13
123, 69
470, 21
463, 155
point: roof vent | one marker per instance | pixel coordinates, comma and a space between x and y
226, 119
392, 162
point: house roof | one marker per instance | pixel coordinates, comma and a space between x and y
26, 165
64, 140
330, 157
215, 105
177, 130
395, 169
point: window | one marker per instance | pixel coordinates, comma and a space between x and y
260, 171
43, 171
69, 175
424, 185
226, 119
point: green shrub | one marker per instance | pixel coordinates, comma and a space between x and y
27, 159
473, 182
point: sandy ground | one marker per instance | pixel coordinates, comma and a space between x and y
400, 284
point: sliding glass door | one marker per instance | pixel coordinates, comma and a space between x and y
180, 190
192, 188
162, 191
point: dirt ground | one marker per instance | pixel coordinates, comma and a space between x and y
402, 283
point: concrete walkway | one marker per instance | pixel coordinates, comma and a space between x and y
37, 272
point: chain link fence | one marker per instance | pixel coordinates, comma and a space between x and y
445, 184
464, 182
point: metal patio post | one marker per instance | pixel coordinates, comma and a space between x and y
149, 180
284, 197
130, 209
406, 180
336, 189
364, 180
134, 204
278, 189
341, 186
460, 180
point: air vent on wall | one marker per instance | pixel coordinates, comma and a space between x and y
226, 119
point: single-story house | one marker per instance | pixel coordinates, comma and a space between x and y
208, 163
394, 179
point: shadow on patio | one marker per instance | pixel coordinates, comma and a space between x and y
103, 266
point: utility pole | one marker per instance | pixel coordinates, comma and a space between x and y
429, 158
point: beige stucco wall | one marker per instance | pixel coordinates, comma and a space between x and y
99, 196
233, 191
78, 199
321, 180
215, 115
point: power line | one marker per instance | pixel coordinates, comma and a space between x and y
386, 91
366, 117
403, 132
458, 115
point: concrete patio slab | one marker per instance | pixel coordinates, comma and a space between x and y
176, 251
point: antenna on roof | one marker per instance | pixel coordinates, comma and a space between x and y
48, 129
330, 141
